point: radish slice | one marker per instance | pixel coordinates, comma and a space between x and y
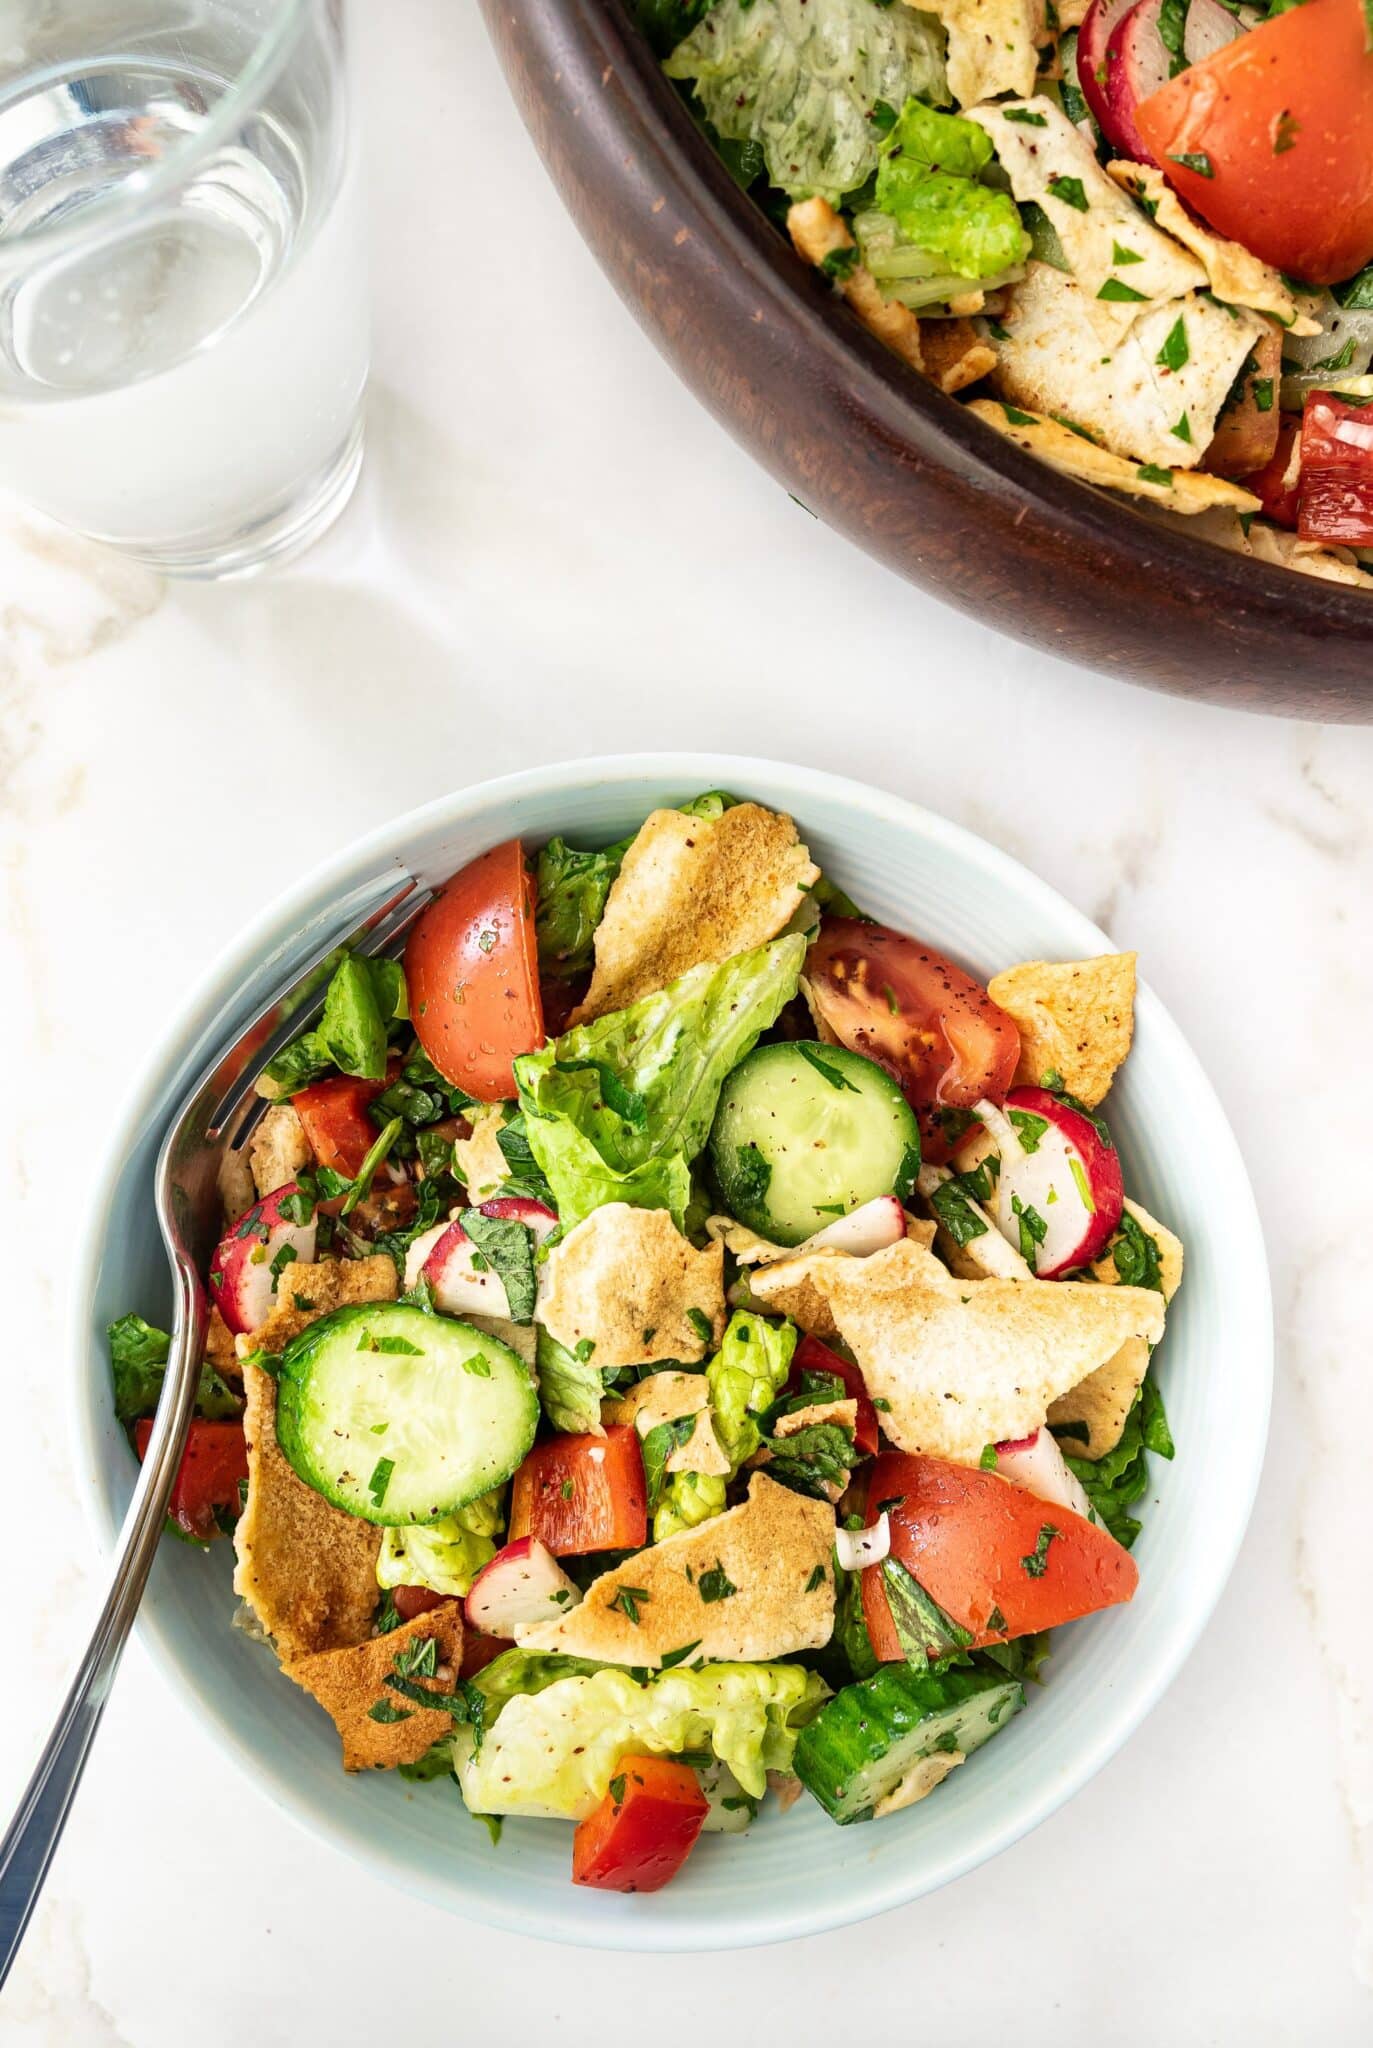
445, 1257
520, 1209
1209, 28
863, 1231
1137, 64
418, 1253
856, 1548
1059, 1194
522, 1586
1098, 26
1035, 1464
243, 1284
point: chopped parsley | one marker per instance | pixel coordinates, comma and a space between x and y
816, 1579
1176, 350
1017, 418
380, 1480
1183, 430
988, 1459
1037, 1562
1285, 132
1029, 1127
701, 1324
716, 1585
813, 1055
1027, 117
386, 1713
1151, 473
628, 1599
1121, 255
839, 263
1033, 1229
1195, 160
1070, 191
1124, 294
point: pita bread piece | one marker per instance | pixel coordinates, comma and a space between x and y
818, 233
307, 1292
1237, 277
965, 1363
1076, 1019
993, 46
278, 1149
667, 1397
691, 891
626, 1282
753, 1583
479, 1159
351, 1687
1100, 1405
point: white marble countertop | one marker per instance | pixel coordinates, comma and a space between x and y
555, 552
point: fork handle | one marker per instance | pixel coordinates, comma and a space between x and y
33, 1834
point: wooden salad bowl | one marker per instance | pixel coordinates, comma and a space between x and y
869, 446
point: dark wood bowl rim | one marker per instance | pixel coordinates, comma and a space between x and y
1078, 512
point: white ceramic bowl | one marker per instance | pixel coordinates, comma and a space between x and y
797, 1873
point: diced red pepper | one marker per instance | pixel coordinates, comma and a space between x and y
1275, 485
214, 1461
813, 1356
643, 1830
1335, 498
581, 1493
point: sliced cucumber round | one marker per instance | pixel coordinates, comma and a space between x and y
804, 1133
396, 1416
864, 1740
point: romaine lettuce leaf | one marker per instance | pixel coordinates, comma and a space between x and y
445, 1555
1114, 1483
812, 81
138, 1366
569, 1387
364, 996
745, 1376
554, 1752
616, 1110
928, 184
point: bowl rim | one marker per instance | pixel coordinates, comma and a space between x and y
1124, 1708
1077, 511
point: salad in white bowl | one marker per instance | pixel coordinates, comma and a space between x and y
676, 1342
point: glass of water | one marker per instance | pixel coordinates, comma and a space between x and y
183, 321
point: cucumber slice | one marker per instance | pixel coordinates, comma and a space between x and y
804, 1133
864, 1740
396, 1416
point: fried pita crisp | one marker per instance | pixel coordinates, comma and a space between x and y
993, 45
955, 354
666, 1397
1179, 490
307, 1570
479, 1159
1076, 1019
312, 1291
772, 1553
220, 1349
1237, 277
1101, 1403
965, 1363
278, 1149
692, 891
627, 1282
817, 232
351, 1685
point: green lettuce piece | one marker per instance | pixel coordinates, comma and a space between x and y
665, 22
138, 1366
446, 1555
616, 1110
569, 1387
928, 184
554, 1752
811, 81
363, 998
1114, 1483
745, 1377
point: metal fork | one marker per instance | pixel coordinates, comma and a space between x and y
217, 1117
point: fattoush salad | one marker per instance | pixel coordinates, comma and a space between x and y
675, 1339
1136, 235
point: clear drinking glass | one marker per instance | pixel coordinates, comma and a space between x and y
183, 322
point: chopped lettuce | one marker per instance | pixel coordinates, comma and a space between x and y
745, 1377
617, 1110
553, 1752
665, 22
364, 997
569, 1387
929, 185
138, 1365
811, 81
446, 1555
1114, 1483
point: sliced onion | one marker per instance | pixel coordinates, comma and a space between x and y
856, 1548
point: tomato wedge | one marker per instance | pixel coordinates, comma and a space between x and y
1277, 485
472, 972
643, 1830
813, 1356
933, 1028
581, 1493
997, 1560
214, 1461
1268, 139
334, 1117
1335, 492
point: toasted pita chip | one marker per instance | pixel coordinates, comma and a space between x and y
479, 1159
307, 1570
955, 354
235, 1183
351, 1684
919, 1781
312, 1291
220, 1349
1286, 551
1180, 490
1076, 1019
817, 232
844, 1414
1237, 277
965, 1363
773, 1555
692, 891
1100, 1405
627, 1282
993, 45
988, 1256
278, 1149
666, 1397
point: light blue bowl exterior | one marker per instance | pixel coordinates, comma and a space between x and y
795, 1874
